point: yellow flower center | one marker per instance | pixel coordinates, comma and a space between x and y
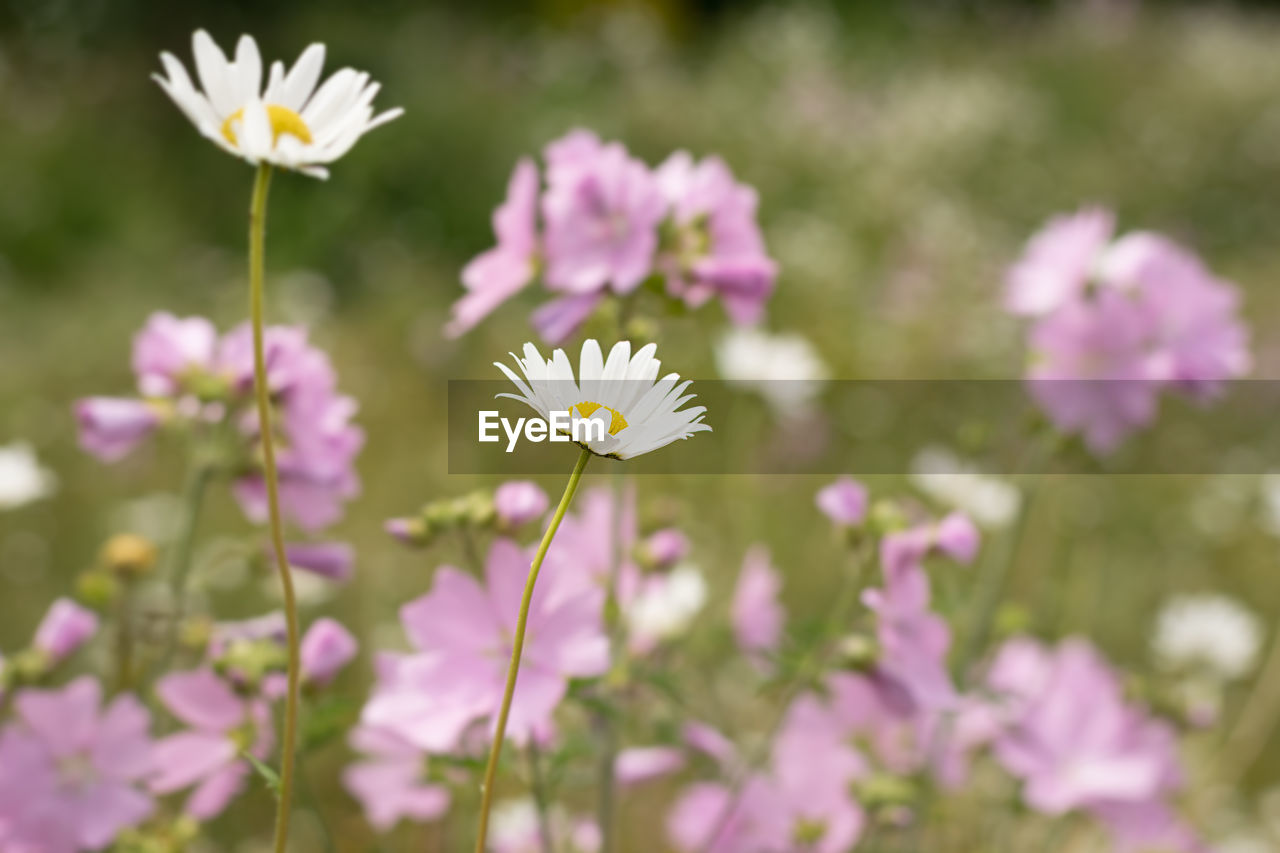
616, 424
283, 120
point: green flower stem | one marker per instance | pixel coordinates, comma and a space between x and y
289, 735
517, 648
616, 627
178, 559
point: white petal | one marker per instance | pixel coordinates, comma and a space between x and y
215, 74
302, 78
248, 70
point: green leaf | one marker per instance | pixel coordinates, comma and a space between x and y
268, 774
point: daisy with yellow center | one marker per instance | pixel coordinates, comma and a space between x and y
638, 411
291, 123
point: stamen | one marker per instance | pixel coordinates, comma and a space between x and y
617, 423
283, 120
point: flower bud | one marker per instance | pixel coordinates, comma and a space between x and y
326, 649
410, 531
65, 628
111, 427
128, 555
332, 560
518, 502
97, 587
957, 537
844, 502
664, 548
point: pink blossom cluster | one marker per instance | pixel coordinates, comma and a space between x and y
191, 379
1116, 321
225, 707
1056, 720
439, 699
605, 223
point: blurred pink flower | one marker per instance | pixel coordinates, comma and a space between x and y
1118, 322
326, 648
206, 379
468, 628
719, 248
1092, 371
333, 561
316, 461
1196, 333
601, 211
169, 350
392, 783
499, 273
518, 502
756, 614
664, 548
65, 628
1077, 744
206, 756
844, 502
70, 771
111, 427
1059, 262
557, 320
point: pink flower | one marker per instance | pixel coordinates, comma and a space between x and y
1059, 262
601, 210
501, 272
111, 427
1195, 328
558, 319
469, 627
1118, 322
320, 443
65, 628
334, 561
719, 250
844, 502
518, 502
756, 614
391, 784
1077, 744
204, 380
957, 536
1093, 372
326, 648
710, 817
663, 548
169, 350
206, 756
70, 773
913, 639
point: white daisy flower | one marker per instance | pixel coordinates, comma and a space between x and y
291, 124
638, 411
783, 369
1210, 631
22, 480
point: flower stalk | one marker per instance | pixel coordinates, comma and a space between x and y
517, 648
289, 738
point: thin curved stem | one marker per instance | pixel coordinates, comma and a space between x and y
289, 735
517, 648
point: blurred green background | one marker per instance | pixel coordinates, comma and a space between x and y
903, 154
